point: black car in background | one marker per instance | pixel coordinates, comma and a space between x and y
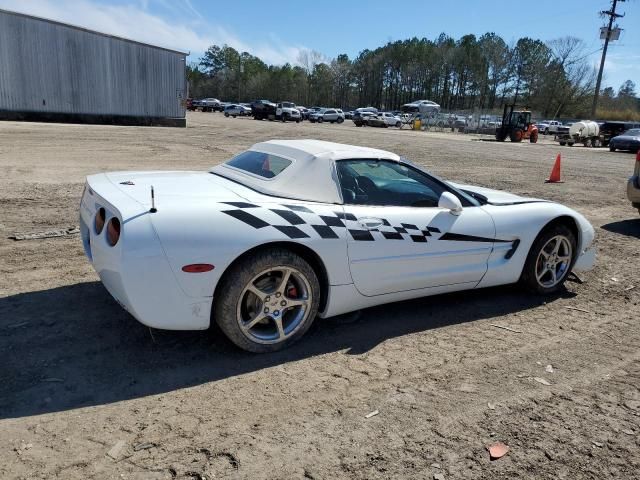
263, 109
629, 140
609, 130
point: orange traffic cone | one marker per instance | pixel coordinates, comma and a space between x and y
555, 172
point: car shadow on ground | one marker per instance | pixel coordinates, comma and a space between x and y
73, 346
630, 228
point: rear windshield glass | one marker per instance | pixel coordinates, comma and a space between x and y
263, 164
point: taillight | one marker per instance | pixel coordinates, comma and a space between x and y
113, 231
99, 222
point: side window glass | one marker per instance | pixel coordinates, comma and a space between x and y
386, 183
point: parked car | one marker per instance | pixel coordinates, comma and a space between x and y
263, 109
236, 110
633, 185
629, 140
304, 112
548, 127
348, 115
390, 119
609, 130
288, 111
333, 115
291, 229
360, 118
376, 120
384, 119
211, 105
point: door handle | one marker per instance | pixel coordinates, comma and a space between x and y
371, 223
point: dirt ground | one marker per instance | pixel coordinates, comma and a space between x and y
87, 392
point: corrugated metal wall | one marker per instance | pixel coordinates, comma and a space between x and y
50, 67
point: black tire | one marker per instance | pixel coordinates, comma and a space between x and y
528, 278
612, 148
320, 120
233, 284
562, 144
398, 124
546, 131
226, 114
297, 121
340, 120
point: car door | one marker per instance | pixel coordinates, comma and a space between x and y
400, 240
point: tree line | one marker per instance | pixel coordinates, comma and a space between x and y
484, 73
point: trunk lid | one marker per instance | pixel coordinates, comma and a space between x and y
167, 185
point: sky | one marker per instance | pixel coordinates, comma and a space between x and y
278, 30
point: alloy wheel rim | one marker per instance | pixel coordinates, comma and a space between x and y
553, 261
274, 305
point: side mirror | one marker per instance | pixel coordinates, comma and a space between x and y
452, 203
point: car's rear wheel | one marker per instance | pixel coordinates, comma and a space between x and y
550, 260
398, 124
612, 148
320, 120
268, 301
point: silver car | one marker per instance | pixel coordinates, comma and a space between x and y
235, 110
333, 115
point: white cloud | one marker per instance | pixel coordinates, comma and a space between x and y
187, 30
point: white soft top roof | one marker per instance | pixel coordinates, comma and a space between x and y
311, 175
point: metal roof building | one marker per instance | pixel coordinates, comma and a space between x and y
51, 71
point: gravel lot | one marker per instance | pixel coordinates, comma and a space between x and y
87, 392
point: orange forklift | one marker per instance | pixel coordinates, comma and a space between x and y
516, 124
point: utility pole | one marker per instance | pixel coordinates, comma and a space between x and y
607, 36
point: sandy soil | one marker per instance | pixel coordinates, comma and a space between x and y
87, 392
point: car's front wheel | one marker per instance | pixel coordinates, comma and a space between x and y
550, 260
268, 301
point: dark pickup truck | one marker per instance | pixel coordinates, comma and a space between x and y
263, 110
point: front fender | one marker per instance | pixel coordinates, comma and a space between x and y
524, 222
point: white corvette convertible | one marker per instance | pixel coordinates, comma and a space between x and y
290, 230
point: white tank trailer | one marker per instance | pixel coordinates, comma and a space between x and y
586, 132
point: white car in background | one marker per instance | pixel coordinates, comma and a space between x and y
390, 119
293, 229
548, 127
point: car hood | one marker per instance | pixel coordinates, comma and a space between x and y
495, 197
174, 185
627, 138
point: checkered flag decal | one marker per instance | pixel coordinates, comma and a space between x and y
324, 225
